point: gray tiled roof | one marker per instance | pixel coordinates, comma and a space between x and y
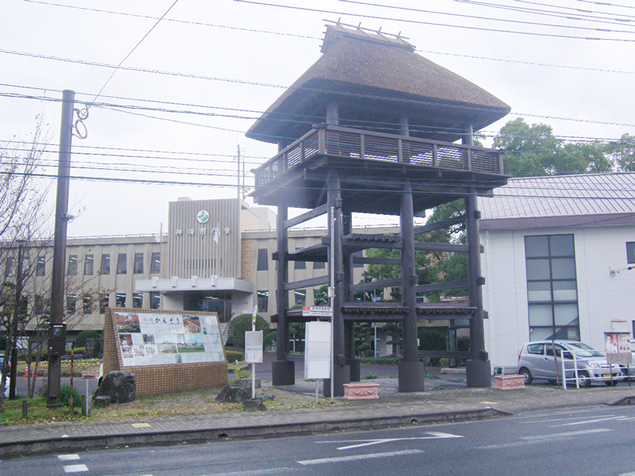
561, 195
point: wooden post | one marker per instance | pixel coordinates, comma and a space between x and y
411, 372
341, 371
478, 366
282, 370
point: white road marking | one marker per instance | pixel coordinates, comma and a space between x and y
584, 422
342, 459
434, 435
538, 422
628, 474
75, 468
567, 434
540, 439
67, 457
255, 471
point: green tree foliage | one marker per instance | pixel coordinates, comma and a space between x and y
241, 324
80, 340
533, 150
623, 153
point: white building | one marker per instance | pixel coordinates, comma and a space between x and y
556, 263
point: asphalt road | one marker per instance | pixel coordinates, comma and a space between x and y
584, 441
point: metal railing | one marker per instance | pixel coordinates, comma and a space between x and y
364, 145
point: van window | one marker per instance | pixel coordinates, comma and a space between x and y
535, 349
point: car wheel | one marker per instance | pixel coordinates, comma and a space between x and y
527, 374
583, 379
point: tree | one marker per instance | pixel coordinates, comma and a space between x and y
623, 153
241, 324
22, 220
533, 150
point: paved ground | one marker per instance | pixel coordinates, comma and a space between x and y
446, 398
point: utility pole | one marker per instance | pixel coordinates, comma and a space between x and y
57, 328
238, 172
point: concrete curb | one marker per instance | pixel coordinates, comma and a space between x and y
45, 445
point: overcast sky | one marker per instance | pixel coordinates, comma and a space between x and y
220, 63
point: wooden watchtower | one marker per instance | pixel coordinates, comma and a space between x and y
372, 127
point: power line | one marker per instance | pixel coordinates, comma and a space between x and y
419, 22
134, 48
475, 17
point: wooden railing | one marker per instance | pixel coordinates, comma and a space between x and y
356, 144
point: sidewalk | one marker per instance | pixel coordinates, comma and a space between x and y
445, 399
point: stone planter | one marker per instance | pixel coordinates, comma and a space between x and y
510, 382
361, 391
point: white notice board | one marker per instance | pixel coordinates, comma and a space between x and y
253, 347
317, 352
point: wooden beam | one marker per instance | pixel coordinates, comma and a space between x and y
439, 225
316, 212
366, 260
441, 247
387, 283
307, 283
427, 288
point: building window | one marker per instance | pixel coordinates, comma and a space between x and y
120, 299
138, 263
9, 270
88, 265
319, 265
72, 265
155, 265
38, 304
87, 305
300, 297
263, 262
552, 287
263, 301
630, 252
137, 300
104, 302
104, 268
40, 269
155, 300
299, 265
122, 263
71, 303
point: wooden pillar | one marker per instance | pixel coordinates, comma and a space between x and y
341, 371
283, 370
411, 371
478, 367
332, 114
349, 327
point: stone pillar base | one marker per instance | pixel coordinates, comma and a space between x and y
411, 376
342, 376
283, 372
354, 365
478, 373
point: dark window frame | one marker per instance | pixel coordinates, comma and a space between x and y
263, 260
137, 266
554, 258
122, 263
89, 265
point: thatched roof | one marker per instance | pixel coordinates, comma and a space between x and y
378, 78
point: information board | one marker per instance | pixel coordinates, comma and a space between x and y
317, 353
147, 338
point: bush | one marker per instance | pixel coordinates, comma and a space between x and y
80, 340
241, 324
65, 394
78, 350
232, 355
